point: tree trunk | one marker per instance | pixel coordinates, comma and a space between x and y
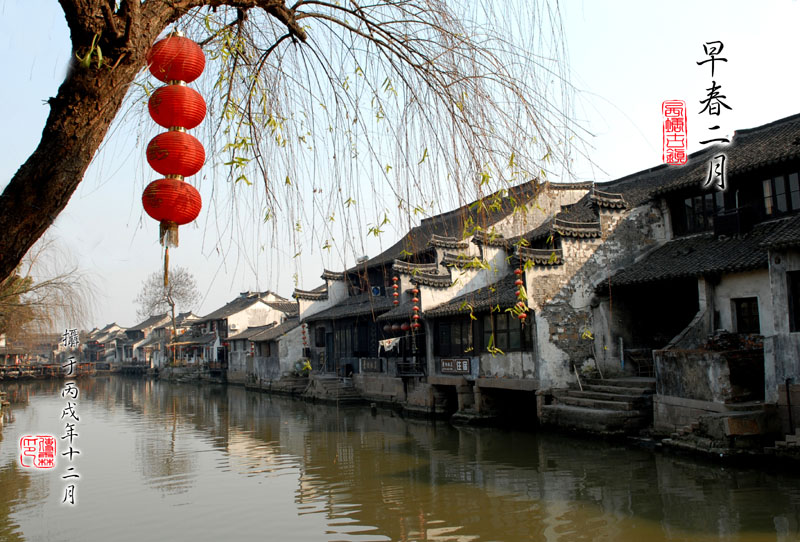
80, 115
86, 104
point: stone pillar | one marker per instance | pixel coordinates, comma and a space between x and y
466, 399
478, 399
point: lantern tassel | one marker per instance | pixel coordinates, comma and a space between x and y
168, 233
166, 267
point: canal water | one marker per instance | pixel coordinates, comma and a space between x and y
162, 461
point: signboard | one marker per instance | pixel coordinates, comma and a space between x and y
456, 366
371, 365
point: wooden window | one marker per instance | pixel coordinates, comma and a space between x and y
747, 315
454, 337
699, 211
781, 194
505, 332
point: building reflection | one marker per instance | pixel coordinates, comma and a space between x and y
384, 477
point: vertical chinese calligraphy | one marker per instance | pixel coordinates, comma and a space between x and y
714, 105
70, 392
674, 145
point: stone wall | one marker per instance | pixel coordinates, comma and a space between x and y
380, 388
693, 374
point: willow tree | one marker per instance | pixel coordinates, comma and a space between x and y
419, 95
47, 292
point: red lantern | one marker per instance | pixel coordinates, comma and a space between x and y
415, 308
416, 325
517, 293
518, 271
175, 153
395, 302
415, 300
395, 294
395, 279
522, 316
518, 282
415, 291
415, 316
405, 327
177, 105
395, 327
176, 58
173, 203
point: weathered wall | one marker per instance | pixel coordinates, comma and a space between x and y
266, 368
693, 374
237, 366
380, 387
751, 284
290, 348
548, 203
564, 300
509, 365
782, 350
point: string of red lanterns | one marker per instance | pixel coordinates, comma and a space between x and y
415, 325
395, 294
175, 60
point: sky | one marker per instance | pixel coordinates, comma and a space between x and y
625, 59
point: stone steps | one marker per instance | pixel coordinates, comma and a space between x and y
620, 390
614, 406
606, 422
599, 404
600, 395
631, 382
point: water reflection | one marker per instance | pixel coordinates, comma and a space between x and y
209, 461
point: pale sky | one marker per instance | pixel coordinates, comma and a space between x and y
626, 58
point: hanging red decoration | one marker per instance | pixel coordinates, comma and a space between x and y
415, 316
405, 326
176, 58
518, 282
173, 203
522, 316
518, 271
395, 302
415, 291
416, 325
395, 294
415, 308
175, 153
177, 105
395, 327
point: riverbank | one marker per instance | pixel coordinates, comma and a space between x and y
702, 440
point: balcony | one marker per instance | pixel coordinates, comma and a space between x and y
734, 222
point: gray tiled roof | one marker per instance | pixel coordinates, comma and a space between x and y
700, 255
276, 332
237, 305
787, 235
189, 339
358, 305
250, 332
403, 311
501, 293
451, 225
149, 322
289, 308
